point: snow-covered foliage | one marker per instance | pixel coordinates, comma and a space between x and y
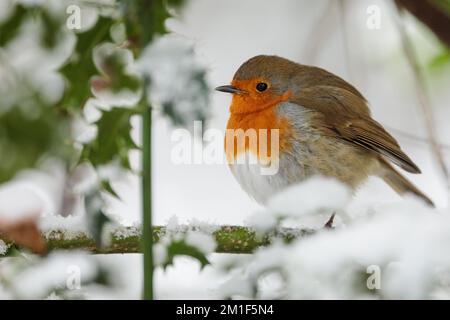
176, 79
70, 87
195, 240
61, 275
399, 251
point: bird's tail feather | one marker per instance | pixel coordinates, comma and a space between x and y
399, 183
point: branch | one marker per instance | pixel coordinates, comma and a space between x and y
431, 15
229, 239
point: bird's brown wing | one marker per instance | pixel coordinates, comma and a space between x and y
344, 115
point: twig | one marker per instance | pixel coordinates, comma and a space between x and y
422, 96
414, 138
318, 34
344, 31
431, 15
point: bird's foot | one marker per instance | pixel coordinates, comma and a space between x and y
329, 224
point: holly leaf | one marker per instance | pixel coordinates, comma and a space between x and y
106, 186
146, 18
113, 139
180, 247
80, 67
113, 62
11, 26
26, 139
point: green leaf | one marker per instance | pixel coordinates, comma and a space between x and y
106, 186
180, 247
443, 4
113, 139
52, 28
27, 136
80, 67
441, 59
11, 26
146, 18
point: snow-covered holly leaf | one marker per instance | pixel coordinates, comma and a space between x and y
113, 139
113, 142
106, 186
185, 100
117, 84
145, 19
81, 68
179, 247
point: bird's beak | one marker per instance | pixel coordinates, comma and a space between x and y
230, 89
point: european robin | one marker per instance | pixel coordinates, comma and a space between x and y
324, 127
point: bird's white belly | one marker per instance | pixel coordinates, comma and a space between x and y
248, 172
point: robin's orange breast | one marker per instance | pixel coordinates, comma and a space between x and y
252, 132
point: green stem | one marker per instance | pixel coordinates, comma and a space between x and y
147, 237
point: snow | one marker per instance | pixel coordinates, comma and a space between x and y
19, 201
262, 221
235, 286
32, 68
407, 241
3, 248
5, 9
172, 69
160, 253
123, 58
54, 272
173, 225
126, 232
71, 226
315, 195
204, 242
83, 131
53, 296
196, 234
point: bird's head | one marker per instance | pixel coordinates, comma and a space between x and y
260, 83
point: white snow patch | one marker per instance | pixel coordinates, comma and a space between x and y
126, 232
160, 253
204, 242
20, 200
3, 248
262, 221
315, 195
71, 226
53, 273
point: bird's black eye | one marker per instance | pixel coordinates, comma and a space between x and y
261, 86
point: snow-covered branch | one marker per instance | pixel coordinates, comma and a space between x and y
229, 239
